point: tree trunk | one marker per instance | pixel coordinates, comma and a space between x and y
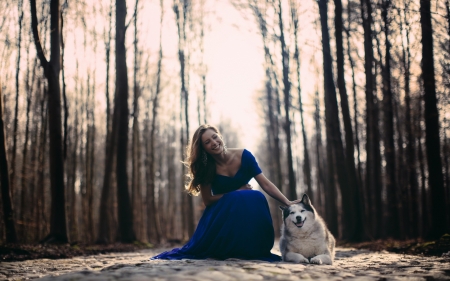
333, 131
151, 202
273, 121
355, 109
306, 161
41, 219
292, 194
403, 191
432, 140
16, 109
58, 232
83, 159
395, 225
446, 149
274, 169
373, 161
182, 20
72, 175
171, 179
25, 182
89, 165
410, 141
184, 208
330, 188
104, 235
34, 160
136, 193
63, 80
321, 191
330, 193
125, 212
446, 153
354, 188
363, 204
8, 212
424, 193
274, 136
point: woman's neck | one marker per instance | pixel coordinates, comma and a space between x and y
222, 158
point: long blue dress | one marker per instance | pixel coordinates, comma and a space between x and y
238, 225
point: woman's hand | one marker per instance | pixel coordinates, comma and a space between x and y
245, 187
294, 202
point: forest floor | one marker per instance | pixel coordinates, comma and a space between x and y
380, 260
22, 252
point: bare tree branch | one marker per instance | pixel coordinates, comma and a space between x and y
37, 41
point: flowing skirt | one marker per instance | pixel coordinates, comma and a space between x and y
238, 225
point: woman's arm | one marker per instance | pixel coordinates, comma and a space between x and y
208, 198
273, 191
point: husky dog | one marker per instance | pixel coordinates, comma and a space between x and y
304, 236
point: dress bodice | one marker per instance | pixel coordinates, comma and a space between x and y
249, 168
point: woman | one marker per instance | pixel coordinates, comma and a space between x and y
236, 222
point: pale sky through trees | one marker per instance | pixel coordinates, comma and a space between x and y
234, 57
236, 72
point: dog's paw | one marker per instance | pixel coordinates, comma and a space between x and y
303, 260
297, 258
321, 259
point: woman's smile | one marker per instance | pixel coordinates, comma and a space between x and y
212, 142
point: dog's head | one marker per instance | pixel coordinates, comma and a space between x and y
299, 214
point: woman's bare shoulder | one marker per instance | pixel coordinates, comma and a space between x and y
236, 151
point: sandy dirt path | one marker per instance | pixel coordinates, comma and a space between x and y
350, 264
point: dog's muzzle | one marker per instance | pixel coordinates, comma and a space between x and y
299, 223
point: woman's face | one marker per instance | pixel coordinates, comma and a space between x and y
211, 142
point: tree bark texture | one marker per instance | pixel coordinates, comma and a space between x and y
182, 10
424, 192
373, 166
136, 190
25, 182
154, 222
63, 80
411, 161
8, 213
395, 227
58, 231
292, 195
333, 130
41, 218
306, 161
104, 219
320, 166
16, 109
355, 192
432, 141
125, 212
273, 133
355, 106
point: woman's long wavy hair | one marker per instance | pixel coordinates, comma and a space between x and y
198, 172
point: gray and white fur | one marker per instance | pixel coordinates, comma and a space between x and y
304, 236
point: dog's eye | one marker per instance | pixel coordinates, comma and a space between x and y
302, 211
291, 213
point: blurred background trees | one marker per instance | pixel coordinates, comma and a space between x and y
353, 106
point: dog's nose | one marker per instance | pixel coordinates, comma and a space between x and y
299, 218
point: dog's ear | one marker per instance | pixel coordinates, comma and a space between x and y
307, 203
285, 211
305, 200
